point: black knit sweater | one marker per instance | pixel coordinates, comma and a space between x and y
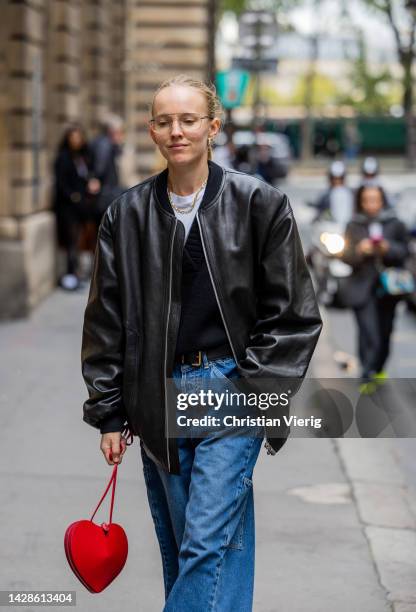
201, 325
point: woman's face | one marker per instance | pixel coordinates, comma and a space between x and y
371, 201
75, 140
178, 144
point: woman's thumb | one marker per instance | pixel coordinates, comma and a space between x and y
115, 451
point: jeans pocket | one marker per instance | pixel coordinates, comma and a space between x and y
224, 368
225, 361
236, 541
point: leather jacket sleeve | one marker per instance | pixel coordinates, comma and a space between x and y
288, 323
103, 339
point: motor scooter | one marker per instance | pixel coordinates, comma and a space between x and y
329, 271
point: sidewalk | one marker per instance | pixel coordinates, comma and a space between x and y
329, 536
381, 475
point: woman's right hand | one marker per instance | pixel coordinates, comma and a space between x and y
365, 247
113, 446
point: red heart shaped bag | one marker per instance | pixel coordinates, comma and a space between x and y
97, 553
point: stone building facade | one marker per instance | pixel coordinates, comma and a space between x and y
76, 60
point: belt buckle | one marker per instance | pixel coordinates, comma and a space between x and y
198, 363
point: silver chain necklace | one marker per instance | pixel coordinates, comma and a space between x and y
184, 211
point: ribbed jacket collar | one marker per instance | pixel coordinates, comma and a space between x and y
215, 175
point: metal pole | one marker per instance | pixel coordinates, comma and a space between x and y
212, 14
257, 83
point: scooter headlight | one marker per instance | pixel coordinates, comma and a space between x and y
334, 243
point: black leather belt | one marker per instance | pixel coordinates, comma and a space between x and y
195, 357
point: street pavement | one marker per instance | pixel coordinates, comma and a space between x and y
381, 472
335, 519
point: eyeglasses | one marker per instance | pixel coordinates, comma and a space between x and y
188, 122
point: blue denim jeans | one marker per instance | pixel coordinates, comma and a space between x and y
204, 517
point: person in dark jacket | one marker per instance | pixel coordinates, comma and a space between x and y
73, 183
106, 150
199, 278
374, 239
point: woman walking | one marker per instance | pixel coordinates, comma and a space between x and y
73, 183
199, 276
374, 239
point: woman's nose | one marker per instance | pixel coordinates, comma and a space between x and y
175, 128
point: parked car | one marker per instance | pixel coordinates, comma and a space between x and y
268, 149
267, 154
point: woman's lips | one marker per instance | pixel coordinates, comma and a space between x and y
178, 146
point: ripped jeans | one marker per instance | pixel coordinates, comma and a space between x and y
204, 517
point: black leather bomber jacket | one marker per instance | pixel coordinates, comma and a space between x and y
260, 279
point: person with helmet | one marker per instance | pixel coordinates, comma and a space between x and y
337, 201
370, 177
369, 171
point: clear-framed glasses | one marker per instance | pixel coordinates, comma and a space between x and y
189, 122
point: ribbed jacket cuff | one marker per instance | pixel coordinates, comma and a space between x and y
112, 423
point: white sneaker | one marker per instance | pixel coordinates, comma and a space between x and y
69, 282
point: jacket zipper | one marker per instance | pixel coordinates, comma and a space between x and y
270, 449
215, 289
166, 339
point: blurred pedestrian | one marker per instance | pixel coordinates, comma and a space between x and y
199, 277
374, 239
242, 159
74, 182
224, 155
265, 166
352, 140
106, 150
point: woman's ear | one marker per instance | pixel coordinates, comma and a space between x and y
152, 135
214, 127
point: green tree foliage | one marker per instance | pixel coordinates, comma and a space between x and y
401, 16
238, 6
325, 91
402, 21
370, 93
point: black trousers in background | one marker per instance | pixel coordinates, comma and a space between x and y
375, 325
69, 221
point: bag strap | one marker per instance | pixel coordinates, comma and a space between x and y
112, 481
126, 433
129, 440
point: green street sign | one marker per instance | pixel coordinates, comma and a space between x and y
231, 87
